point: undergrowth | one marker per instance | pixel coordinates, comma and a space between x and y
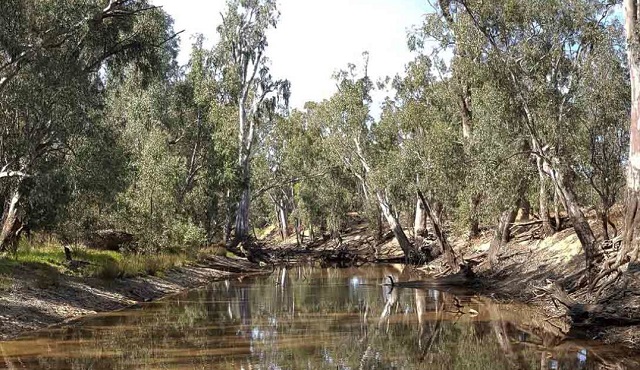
45, 257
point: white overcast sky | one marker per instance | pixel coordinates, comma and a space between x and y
315, 38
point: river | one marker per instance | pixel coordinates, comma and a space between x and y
314, 318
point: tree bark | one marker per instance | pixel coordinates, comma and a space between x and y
580, 223
543, 199
525, 208
556, 211
9, 218
630, 250
409, 251
242, 215
228, 218
419, 223
502, 235
284, 228
453, 261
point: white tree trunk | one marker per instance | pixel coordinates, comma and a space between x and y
9, 219
394, 225
420, 221
282, 215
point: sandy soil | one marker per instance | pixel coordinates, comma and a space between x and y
36, 301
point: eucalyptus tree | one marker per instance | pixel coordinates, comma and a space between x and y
630, 251
453, 35
348, 132
535, 52
604, 107
432, 154
51, 57
246, 76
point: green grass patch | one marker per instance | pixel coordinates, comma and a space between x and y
139, 265
47, 260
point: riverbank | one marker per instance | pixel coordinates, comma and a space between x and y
44, 289
549, 274
36, 295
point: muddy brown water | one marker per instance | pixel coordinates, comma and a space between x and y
314, 318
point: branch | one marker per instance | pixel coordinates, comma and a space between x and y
8, 174
294, 180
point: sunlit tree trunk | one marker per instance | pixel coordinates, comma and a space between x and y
9, 218
282, 215
396, 228
419, 223
630, 246
543, 200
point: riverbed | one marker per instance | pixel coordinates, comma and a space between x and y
308, 317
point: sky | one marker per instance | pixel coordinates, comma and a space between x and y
316, 38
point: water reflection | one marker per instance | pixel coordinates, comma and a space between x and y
311, 318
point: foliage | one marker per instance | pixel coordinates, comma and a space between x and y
101, 129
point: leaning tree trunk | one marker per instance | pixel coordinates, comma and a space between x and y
580, 223
502, 235
547, 230
9, 218
281, 212
454, 262
409, 251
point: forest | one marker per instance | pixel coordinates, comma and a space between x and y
510, 107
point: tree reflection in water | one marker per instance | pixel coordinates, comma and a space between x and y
312, 318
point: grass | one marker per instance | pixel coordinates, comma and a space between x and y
46, 258
138, 265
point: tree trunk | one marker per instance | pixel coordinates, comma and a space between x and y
580, 223
604, 219
296, 228
556, 211
242, 215
409, 251
502, 235
228, 218
419, 223
630, 247
242, 212
544, 203
453, 261
282, 216
9, 219
474, 224
380, 231
525, 210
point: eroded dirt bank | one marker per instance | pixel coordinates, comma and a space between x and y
546, 274
526, 269
35, 301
